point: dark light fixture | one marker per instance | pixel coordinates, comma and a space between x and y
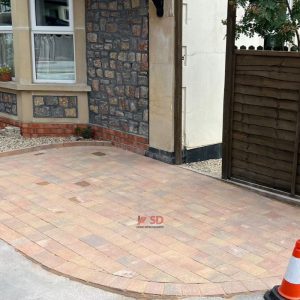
159, 4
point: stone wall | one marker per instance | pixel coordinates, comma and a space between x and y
8, 103
55, 107
117, 55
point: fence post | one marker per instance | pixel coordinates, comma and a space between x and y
229, 81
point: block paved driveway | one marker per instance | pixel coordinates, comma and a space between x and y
76, 213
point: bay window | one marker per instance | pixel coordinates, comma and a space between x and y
53, 40
6, 37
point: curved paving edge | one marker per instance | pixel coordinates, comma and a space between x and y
126, 286
60, 265
54, 146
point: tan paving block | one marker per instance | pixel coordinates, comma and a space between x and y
272, 281
191, 290
8, 234
137, 286
29, 248
211, 289
255, 285
48, 259
154, 288
233, 287
250, 268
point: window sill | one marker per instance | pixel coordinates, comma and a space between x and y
55, 87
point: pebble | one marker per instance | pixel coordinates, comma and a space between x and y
212, 167
16, 143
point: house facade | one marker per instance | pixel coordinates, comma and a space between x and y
111, 64
89, 62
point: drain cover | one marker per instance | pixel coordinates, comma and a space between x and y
41, 153
98, 154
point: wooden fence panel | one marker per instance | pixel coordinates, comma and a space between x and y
265, 123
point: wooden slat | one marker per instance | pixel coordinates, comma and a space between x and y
267, 53
265, 122
265, 112
264, 131
266, 102
276, 69
264, 151
252, 60
260, 179
273, 144
261, 160
262, 170
265, 82
266, 92
285, 77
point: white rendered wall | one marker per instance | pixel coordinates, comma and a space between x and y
204, 70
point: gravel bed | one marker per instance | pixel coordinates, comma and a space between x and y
212, 167
16, 143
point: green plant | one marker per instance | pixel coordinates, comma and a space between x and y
87, 133
77, 131
5, 70
276, 20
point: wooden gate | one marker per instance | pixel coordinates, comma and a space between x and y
262, 117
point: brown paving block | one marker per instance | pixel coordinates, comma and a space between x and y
48, 259
66, 268
29, 248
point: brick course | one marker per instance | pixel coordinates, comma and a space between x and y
119, 139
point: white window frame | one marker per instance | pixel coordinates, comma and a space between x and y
62, 30
6, 30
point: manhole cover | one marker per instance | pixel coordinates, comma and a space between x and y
98, 154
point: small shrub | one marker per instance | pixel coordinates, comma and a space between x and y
77, 131
87, 133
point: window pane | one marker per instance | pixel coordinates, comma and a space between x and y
6, 50
5, 13
52, 12
54, 57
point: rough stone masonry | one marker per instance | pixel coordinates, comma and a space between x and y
117, 54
